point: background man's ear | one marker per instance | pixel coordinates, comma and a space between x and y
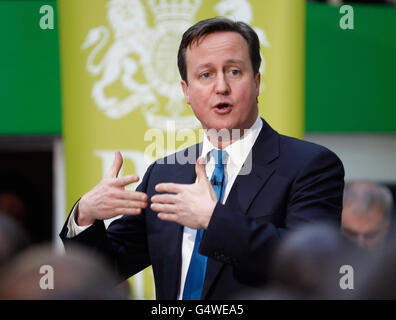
185, 91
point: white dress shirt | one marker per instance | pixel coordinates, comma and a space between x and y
237, 154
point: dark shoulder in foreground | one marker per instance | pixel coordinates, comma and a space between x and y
297, 153
301, 148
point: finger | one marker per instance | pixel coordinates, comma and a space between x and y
164, 198
200, 170
128, 204
132, 195
168, 217
125, 180
170, 187
116, 166
166, 208
128, 211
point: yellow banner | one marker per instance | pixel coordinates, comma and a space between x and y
121, 86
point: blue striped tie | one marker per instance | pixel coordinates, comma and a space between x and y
196, 271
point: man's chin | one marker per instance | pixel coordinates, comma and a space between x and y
225, 133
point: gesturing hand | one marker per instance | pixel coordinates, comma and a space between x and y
109, 198
190, 205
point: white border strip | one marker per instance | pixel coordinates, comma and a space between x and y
59, 193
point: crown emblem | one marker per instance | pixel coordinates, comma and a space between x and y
165, 10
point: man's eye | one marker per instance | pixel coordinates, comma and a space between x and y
349, 233
205, 75
371, 235
235, 72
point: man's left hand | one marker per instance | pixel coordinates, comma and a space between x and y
190, 205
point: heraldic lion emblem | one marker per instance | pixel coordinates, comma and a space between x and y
139, 50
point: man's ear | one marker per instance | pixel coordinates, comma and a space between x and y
257, 80
185, 90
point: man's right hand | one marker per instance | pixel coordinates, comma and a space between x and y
109, 198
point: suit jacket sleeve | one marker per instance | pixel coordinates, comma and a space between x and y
235, 237
124, 244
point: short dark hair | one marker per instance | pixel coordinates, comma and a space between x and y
218, 24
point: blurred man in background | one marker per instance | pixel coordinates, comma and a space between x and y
13, 205
13, 239
367, 213
41, 273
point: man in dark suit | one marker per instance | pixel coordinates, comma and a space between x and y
212, 239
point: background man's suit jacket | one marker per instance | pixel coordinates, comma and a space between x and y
291, 182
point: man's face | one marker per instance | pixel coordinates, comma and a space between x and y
222, 89
367, 230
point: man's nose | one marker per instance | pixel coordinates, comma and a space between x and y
362, 241
222, 86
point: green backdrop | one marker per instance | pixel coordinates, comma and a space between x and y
350, 74
29, 71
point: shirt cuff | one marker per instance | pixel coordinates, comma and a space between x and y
73, 228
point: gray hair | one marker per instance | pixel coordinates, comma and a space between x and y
363, 196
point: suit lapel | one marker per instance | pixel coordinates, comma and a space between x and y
249, 182
185, 174
246, 186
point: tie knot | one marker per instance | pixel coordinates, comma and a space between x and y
220, 157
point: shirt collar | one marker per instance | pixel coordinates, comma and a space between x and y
238, 150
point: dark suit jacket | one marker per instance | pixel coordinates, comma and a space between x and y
291, 182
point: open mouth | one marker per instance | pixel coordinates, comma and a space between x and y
223, 107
